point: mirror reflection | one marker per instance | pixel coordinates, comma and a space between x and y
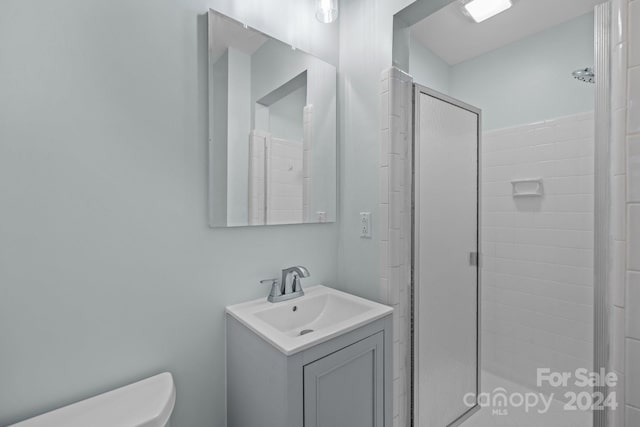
272, 153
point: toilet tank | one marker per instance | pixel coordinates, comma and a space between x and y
147, 403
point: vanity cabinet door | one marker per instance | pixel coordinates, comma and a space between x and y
346, 388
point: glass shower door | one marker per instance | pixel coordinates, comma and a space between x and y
445, 259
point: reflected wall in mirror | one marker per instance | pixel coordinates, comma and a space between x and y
272, 142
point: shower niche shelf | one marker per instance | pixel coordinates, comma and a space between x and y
531, 187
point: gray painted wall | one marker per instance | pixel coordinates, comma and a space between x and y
524, 82
238, 123
366, 42
427, 68
530, 80
219, 110
286, 116
108, 270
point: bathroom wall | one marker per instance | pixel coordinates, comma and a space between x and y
108, 270
537, 296
239, 120
366, 30
427, 68
103, 166
632, 307
286, 115
618, 206
537, 276
396, 118
366, 41
536, 69
625, 203
219, 110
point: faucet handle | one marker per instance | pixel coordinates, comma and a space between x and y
275, 287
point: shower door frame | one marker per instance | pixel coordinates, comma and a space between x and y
602, 221
602, 198
415, 202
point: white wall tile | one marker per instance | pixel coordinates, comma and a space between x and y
617, 275
395, 202
633, 168
384, 184
633, 239
616, 416
632, 373
619, 24
633, 302
537, 270
634, 34
384, 259
383, 223
632, 228
633, 102
618, 204
618, 141
384, 110
619, 76
617, 339
632, 414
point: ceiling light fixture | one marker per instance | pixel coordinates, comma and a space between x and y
481, 10
327, 11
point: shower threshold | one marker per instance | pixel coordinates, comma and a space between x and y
556, 416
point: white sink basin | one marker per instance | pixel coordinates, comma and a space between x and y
321, 314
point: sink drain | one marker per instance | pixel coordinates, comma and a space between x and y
306, 331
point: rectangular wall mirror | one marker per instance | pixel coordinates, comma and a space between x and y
272, 130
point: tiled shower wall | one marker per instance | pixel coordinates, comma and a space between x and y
521, 238
395, 227
307, 144
276, 166
617, 238
625, 219
257, 144
537, 275
633, 220
284, 176
625, 210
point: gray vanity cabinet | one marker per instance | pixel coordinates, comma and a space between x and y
343, 382
346, 388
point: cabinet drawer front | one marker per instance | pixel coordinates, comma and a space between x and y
346, 388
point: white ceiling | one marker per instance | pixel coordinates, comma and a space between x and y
455, 38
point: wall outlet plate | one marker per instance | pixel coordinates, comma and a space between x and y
365, 225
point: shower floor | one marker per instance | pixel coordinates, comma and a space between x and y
517, 417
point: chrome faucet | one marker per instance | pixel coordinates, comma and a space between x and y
296, 273
289, 287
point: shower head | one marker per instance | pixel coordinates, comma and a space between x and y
585, 75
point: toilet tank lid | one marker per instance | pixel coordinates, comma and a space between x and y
146, 403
